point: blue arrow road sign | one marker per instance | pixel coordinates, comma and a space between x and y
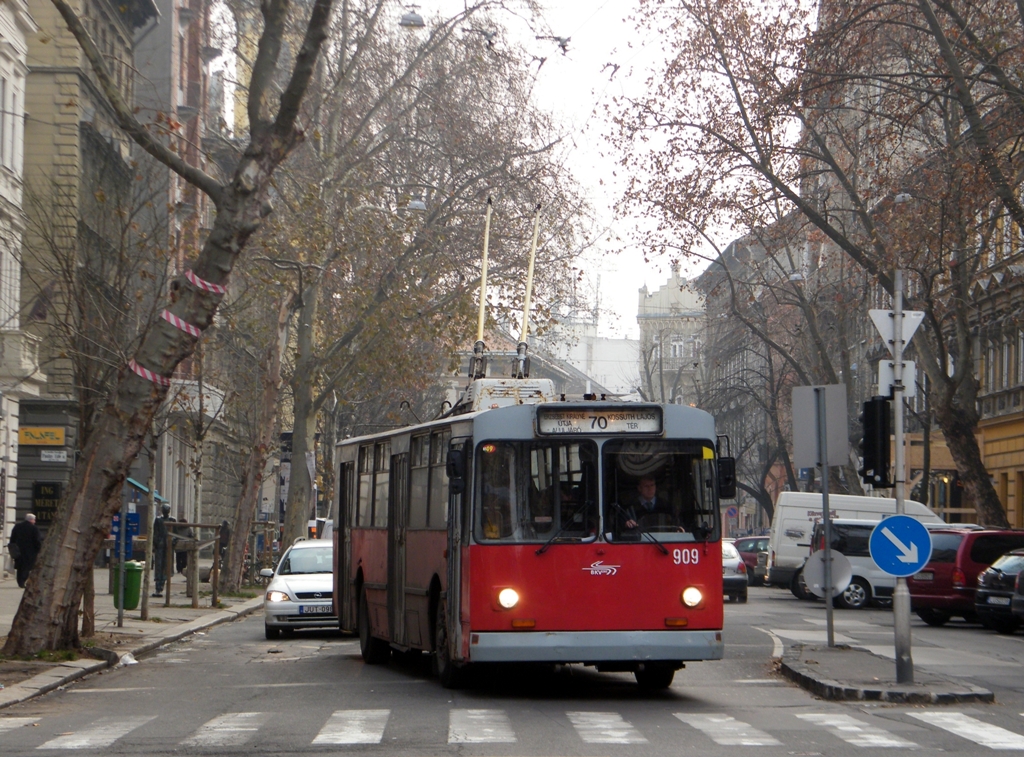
900, 546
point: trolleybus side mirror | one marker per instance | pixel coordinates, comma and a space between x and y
456, 470
726, 477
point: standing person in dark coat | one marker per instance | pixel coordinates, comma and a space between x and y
225, 540
160, 548
26, 541
181, 555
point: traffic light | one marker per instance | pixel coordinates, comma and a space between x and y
875, 420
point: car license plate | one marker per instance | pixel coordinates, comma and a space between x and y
999, 600
925, 575
316, 610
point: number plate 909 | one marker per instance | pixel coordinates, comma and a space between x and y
686, 556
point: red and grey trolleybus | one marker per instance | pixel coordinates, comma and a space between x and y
513, 532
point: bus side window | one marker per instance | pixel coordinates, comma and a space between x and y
420, 478
346, 513
438, 513
382, 464
364, 505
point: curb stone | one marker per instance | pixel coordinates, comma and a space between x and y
808, 678
69, 671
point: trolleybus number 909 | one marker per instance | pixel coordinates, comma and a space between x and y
686, 556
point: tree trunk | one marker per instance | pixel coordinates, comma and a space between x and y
300, 487
252, 477
963, 446
89, 607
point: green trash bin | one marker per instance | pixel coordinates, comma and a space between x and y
132, 583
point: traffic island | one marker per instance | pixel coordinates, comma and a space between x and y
849, 673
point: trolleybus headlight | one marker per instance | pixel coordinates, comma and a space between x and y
508, 598
277, 596
692, 596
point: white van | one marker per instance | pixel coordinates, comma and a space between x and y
795, 515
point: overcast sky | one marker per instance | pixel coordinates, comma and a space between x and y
576, 86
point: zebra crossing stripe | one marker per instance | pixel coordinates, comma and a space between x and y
604, 728
728, 731
354, 727
479, 727
99, 734
232, 729
857, 732
9, 724
971, 729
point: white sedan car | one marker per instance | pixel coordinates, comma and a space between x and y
301, 592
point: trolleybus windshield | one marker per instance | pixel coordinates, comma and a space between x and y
660, 488
530, 491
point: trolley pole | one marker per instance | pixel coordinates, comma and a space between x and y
901, 596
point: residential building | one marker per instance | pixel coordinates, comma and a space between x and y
612, 363
671, 322
78, 179
20, 375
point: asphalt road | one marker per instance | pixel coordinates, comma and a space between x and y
232, 692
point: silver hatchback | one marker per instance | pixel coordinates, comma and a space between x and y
301, 590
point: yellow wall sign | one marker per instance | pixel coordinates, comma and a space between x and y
48, 436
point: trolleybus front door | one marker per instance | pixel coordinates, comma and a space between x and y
458, 515
397, 510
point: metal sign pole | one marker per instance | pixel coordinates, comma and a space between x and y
819, 395
122, 522
901, 596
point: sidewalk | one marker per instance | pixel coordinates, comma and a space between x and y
165, 624
846, 672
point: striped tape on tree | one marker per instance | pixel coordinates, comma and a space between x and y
147, 374
206, 286
178, 323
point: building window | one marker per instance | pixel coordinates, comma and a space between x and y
4, 123
1020, 357
1006, 363
990, 367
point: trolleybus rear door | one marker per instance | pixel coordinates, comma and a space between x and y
397, 511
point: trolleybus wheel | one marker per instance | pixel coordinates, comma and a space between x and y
654, 676
451, 677
374, 651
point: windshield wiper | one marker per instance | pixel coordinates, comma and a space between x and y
643, 532
565, 525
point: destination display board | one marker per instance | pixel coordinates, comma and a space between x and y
599, 420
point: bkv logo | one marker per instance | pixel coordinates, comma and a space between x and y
600, 569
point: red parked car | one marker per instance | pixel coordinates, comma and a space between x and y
946, 585
748, 547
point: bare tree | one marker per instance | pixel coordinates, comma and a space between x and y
837, 123
47, 616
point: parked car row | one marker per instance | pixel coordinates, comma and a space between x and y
971, 574
974, 573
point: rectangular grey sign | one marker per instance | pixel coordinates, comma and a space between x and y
805, 425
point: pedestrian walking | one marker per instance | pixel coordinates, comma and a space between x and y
26, 541
160, 548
